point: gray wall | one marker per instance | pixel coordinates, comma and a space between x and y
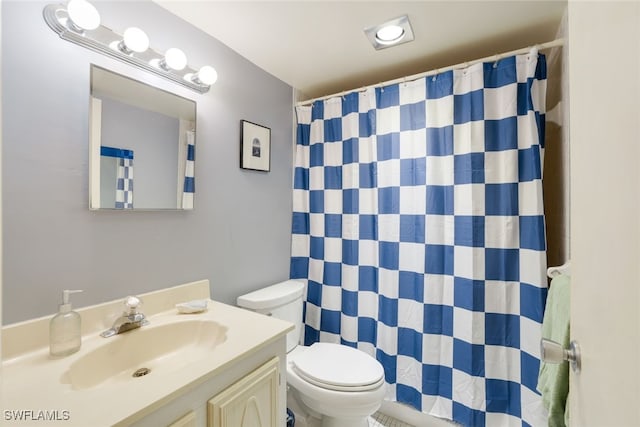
238, 236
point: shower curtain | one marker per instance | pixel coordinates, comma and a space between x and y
418, 227
124, 175
124, 184
189, 187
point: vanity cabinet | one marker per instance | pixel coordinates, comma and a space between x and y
189, 420
221, 367
250, 402
248, 393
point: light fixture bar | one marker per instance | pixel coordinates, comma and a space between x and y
100, 39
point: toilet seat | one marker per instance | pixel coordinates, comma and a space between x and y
338, 367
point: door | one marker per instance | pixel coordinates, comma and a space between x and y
604, 56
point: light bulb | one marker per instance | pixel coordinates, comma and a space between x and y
390, 34
207, 75
174, 58
82, 15
134, 40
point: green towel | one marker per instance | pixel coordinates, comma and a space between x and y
553, 380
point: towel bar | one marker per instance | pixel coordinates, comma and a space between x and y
561, 269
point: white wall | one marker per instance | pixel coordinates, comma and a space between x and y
1, 240
604, 68
238, 235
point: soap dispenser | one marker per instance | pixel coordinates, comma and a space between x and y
64, 329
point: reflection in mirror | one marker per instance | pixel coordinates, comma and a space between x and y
142, 131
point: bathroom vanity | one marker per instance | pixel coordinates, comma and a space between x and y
221, 367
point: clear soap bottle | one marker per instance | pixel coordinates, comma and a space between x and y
64, 329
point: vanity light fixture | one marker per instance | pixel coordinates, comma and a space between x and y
78, 21
391, 33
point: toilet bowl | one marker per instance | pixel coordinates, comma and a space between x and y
343, 384
339, 384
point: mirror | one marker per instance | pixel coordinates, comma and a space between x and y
141, 145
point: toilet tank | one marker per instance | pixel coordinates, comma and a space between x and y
282, 301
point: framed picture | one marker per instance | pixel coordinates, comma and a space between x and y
255, 146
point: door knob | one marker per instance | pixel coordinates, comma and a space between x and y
552, 352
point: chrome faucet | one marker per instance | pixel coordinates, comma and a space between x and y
130, 319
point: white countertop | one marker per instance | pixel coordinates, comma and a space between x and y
33, 381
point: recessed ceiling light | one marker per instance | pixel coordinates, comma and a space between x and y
390, 33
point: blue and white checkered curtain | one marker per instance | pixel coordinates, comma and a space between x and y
418, 226
124, 181
189, 172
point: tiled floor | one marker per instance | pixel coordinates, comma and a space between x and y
382, 420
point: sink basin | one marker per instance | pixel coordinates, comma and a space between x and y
149, 350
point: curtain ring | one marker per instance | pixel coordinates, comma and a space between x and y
496, 60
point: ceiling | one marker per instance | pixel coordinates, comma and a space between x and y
319, 47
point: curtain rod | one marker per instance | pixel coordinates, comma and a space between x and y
547, 45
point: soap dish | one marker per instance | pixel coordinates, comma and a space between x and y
194, 306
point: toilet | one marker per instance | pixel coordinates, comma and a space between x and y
338, 384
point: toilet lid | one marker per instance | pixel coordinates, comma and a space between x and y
338, 367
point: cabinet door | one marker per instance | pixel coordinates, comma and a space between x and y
250, 402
